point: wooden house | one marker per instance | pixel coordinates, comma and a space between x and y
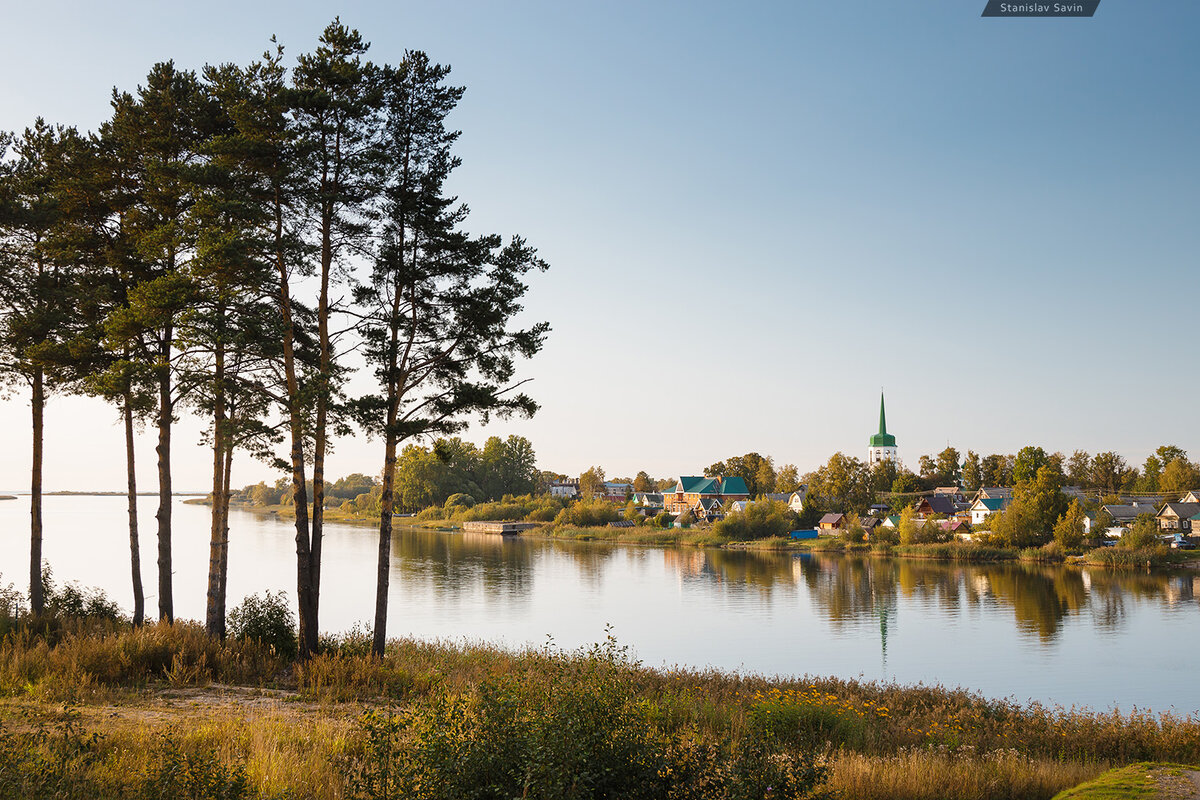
689, 490
832, 522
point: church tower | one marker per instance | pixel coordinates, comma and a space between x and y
883, 444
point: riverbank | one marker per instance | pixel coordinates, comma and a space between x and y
651, 536
166, 697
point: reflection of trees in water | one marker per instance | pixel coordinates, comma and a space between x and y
592, 559
455, 564
1040, 596
848, 588
764, 570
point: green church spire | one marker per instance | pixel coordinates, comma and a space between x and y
883, 438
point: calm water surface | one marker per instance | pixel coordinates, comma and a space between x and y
1057, 635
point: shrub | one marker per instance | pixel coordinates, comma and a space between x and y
587, 514
572, 728
760, 520
1142, 533
458, 500
267, 620
180, 774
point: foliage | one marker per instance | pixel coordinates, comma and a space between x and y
844, 484
761, 519
267, 620
756, 470
1142, 533
1068, 531
575, 728
586, 513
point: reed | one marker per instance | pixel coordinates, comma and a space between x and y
296, 729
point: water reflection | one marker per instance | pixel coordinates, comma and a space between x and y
1033, 630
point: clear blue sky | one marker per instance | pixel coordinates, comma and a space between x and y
758, 214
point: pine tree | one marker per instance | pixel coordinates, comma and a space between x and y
36, 283
337, 102
161, 134
437, 311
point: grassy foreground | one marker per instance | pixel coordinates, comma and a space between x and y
164, 711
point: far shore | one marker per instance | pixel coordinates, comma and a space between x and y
647, 536
73, 493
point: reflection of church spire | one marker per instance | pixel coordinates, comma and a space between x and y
883, 620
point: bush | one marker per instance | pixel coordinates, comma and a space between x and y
587, 514
760, 520
432, 512
663, 520
458, 500
1142, 533
577, 730
267, 620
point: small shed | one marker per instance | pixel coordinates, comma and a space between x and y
832, 522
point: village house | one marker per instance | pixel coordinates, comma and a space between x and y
617, 492
936, 504
832, 522
982, 507
992, 492
1177, 517
568, 489
691, 490
648, 502
1123, 514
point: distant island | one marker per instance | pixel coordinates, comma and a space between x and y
7, 497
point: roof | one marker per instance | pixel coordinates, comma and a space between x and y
940, 503
733, 485
994, 491
831, 519
1127, 513
883, 438
709, 503
1181, 510
778, 497
990, 503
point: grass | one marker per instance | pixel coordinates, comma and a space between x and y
146, 698
1142, 780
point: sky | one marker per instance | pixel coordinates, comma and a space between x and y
756, 216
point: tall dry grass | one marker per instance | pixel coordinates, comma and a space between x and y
939, 775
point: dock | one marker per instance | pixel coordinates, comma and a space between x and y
502, 528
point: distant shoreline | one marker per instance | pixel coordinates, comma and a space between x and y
69, 493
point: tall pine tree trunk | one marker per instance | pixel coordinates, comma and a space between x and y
304, 588
214, 618
166, 606
135, 555
386, 506
37, 601
319, 435
225, 529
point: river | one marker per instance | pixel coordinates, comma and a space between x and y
1057, 635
